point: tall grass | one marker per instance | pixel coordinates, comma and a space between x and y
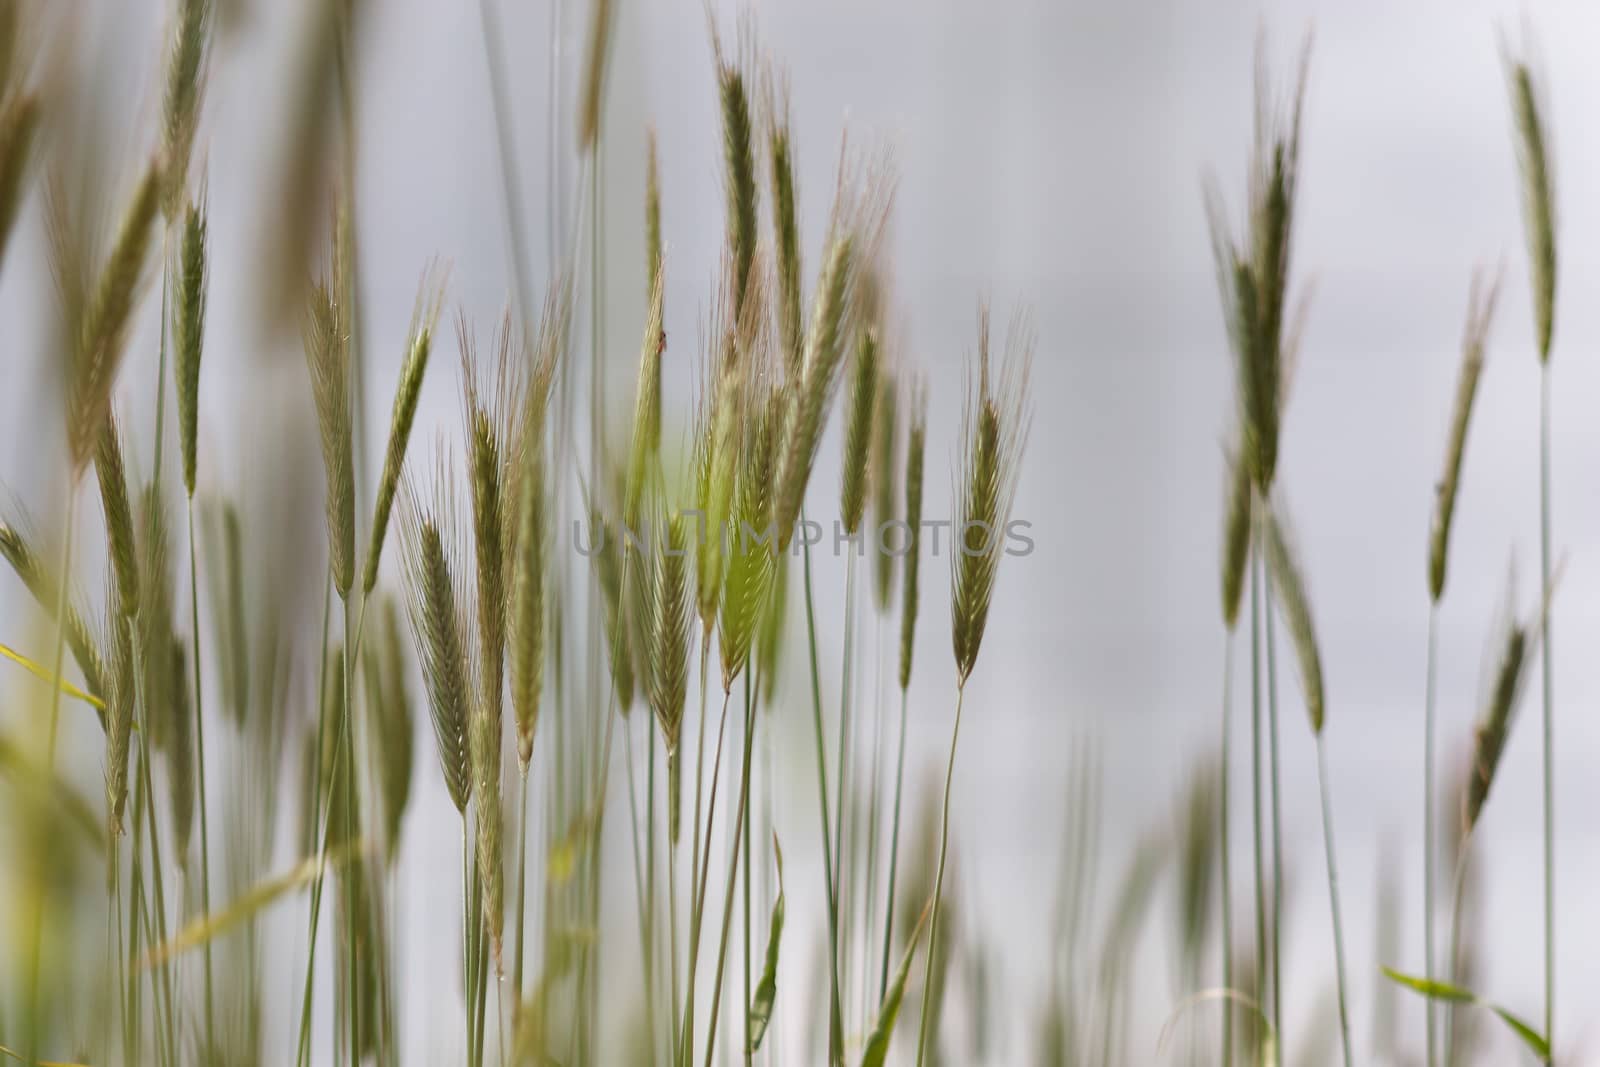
536, 636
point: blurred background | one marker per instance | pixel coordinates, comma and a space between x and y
1051, 156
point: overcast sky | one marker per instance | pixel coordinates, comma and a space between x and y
1051, 156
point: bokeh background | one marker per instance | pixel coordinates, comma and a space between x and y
1051, 156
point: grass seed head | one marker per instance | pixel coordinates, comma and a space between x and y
1512, 644
19, 123
860, 213
785, 223
750, 550
419, 345
155, 615
646, 443
102, 328
188, 332
181, 105
863, 399
652, 214
916, 444
119, 711
995, 431
113, 477
327, 345
1239, 490
594, 76
489, 818
432, 568
1480, 315
885, 481
671, 611
528, 577
1529, 108
1295, 605
739, 168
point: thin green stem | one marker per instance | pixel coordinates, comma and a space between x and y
1257, 823
938, 886
36, 948
894, 854
672, 923
749, 740
200, 766
522, 896
1428, 847
1333, 898
1275, 775
1226, 853
698, 890
846, 685
1547, 658
740, 823
1453, 974
650, 873
835, 1020
638, 881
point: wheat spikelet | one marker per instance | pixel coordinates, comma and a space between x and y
715, 461
386, 681
885, 481
19, 122
327, 345
739, 167
1510, 650
1253, 273
1480, 315
860, 211
672, 608
652, 213
528, 578
1294, 604
750, 551
862, 400
1238, 493
489, 451
113, 477
102, 327
155, 615
647, 409
181, 104
188, 332
224, 546
607, 550
594, 76
785, 223
431, 568
916, 443
1528, 107
119, 711
419, 343
995, 430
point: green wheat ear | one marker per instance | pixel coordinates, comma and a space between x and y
1512, 646
432, 569
112, 474
858, 434
994, 433
188, 333
916, 445
327, 346
1239, 492
419, 345
1528, 107
1295, 605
